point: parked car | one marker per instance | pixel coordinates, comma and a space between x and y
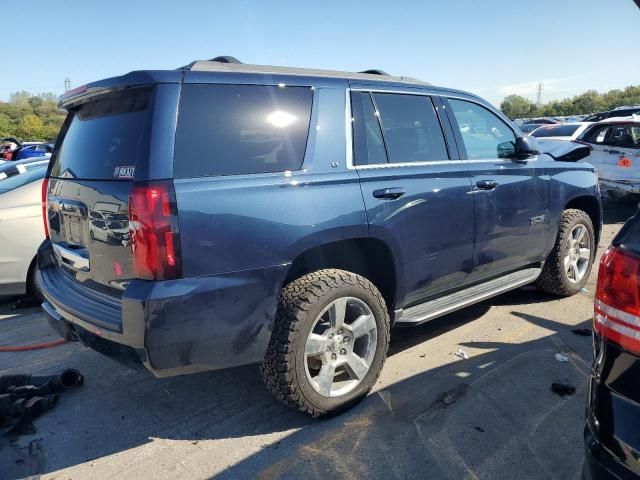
618, 112
9, 169
294, 217
560, 131
40, 150
613, 407
529, 127
616, 154
21, 230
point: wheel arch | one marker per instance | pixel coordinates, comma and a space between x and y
369, 257
592, 207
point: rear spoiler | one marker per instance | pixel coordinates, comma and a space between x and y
563, 150
130, 80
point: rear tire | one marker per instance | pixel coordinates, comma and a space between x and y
32, 289
329, 342
568, 266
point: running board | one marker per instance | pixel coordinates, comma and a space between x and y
463, 298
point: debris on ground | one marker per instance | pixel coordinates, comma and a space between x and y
585, 332
481, 430
24, 397
462, 354
445, 399
563, 389
584, 290
561, 358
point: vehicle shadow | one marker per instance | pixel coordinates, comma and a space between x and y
119, 410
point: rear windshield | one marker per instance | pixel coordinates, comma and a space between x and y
104, 138
241, 129
556, 131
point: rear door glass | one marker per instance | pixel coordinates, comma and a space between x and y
105, 136
411, 128
368, 144
241, 129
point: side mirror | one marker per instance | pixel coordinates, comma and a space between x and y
526, 147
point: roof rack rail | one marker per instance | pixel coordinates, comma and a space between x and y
225, 59
375, 71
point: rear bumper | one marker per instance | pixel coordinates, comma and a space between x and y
599, 463
172, 327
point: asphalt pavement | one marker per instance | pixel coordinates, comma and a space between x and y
432, 414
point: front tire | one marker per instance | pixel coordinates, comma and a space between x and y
568, 266
329, 342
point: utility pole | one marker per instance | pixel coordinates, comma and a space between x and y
67, 84
539, 87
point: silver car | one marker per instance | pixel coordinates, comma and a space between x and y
21, 230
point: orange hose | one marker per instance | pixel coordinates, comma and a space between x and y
37, 346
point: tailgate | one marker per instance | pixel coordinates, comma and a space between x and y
92, 169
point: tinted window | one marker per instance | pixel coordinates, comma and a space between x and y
555, 131
625, 136
368, 144
100, 135
485, 136
411, 128
241, 129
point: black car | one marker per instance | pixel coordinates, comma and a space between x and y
612, 431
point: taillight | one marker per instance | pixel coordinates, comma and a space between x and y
617, 305
45, 218
155, 236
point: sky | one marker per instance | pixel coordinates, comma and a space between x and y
491, 47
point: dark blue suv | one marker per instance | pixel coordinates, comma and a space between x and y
224, 214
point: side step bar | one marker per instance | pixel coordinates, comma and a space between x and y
455, 301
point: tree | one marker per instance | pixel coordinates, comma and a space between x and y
35, 102
19, 98
515, 106
30, 127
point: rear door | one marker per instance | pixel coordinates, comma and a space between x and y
415, 191
510, 197
616, 151
104, 141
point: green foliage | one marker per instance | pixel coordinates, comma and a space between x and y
31, 117
515, 106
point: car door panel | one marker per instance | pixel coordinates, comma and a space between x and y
510, 197
422, 207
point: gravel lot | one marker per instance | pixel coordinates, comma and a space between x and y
432, 414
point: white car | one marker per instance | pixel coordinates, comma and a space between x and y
615, 153
561, 131
21, 230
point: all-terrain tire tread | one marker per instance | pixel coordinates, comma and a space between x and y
552, 279
296, 299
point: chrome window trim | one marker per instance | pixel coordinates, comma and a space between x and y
349, 132
348, 120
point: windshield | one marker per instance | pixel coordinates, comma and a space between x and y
104, 136
19, 180
556, 131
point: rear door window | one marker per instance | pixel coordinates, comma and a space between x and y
368, 144
241, 129
412, 131
105, 135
